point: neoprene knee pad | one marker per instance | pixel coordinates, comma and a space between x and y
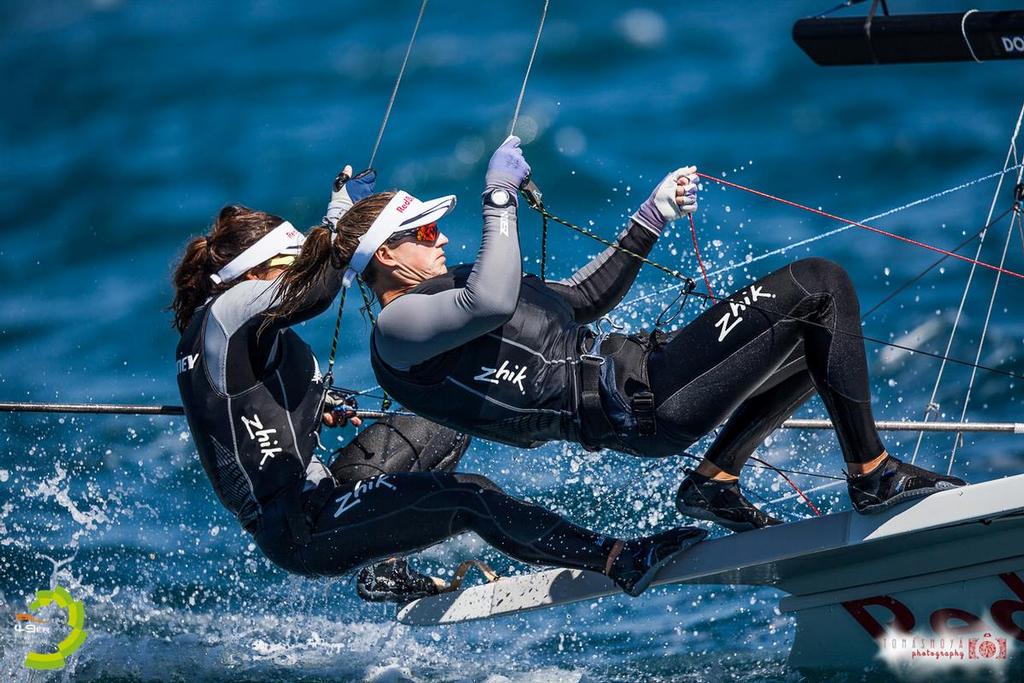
823, 275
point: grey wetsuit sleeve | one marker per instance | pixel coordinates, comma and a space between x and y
599, 286
415, 327
233, 328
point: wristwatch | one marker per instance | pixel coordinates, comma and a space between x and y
498, 197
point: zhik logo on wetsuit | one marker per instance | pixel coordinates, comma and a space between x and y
732, 318
497, 375
188, 362
263, 436
354, 497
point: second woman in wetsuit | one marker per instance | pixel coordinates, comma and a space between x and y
484, 349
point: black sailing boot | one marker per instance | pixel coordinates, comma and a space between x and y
637, 561
394, 581
720, 502
894, 482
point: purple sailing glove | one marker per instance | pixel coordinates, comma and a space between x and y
674, 197
347, 191
507, 168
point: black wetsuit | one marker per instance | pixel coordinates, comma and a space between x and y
252, 399
753, 367
491, 352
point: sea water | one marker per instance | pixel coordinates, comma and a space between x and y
127, 125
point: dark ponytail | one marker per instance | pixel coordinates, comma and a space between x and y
235, 229
320, 252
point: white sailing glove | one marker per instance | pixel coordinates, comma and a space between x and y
674, 197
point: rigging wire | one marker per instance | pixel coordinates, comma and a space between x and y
830, 233
529, 66
398, 82
537, 206
328, 377
935, 264
958, 439
813, 489
1011, 155
700, 261
689, 283
865, 226
364, 290
792, 485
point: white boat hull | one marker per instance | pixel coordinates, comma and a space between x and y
953, 559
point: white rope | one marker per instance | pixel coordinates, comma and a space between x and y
398, 81
830, 233
1011, 154
963, 31
529, 66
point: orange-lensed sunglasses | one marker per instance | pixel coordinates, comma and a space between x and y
424, 233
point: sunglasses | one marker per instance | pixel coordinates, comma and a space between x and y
424, 233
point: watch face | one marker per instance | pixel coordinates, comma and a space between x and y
499, 197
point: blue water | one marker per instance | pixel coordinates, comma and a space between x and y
126, 125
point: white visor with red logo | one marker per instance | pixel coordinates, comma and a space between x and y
284, 239
403, 212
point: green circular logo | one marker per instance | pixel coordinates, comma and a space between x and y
76, 620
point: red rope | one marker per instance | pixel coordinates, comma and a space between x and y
700, 261
834, 217
802, 494
790, 482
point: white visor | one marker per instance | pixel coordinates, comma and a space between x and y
284, 239
402, 213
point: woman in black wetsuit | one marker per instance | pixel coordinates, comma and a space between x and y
252, 392
486, 350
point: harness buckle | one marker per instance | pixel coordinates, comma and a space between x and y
595, 429
642, 406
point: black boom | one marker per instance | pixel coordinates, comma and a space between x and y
912, 38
